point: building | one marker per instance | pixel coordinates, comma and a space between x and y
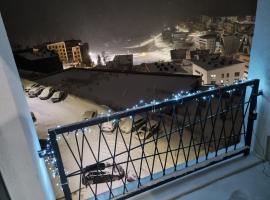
178, 54
229, 179
230, 44
160, 67
196, 54
60, 49
220, 70
121, 62
167, 35
42, 60
71, 52
207, 41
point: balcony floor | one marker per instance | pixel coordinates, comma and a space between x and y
250, 184
241, 178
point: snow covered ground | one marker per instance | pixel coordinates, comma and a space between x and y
82, 87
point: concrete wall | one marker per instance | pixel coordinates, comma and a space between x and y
24, 173
260, 68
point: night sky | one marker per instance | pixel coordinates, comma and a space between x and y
104, 21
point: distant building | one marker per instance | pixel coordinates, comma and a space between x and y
230, 44
71, 51
121, 62
196, 54
207, 41
216, 69
60, 49
178, 54
42, 61
160, 67
167, 35
179, 39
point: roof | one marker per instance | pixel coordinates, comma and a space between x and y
208, 36
119, 89
29, 55
212, 62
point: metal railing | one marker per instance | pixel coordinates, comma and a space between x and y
121, 154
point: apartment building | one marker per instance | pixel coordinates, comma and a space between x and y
207, 41
71, 52
220, 70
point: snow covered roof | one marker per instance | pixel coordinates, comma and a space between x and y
119, 89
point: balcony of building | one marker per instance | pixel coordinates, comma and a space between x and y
216, 142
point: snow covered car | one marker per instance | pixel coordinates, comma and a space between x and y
46, 93
102, 173
90, 114
31, 86
35, 92
58, 96
107, 127
126, 125
147, 131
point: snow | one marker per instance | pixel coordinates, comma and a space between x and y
91, 90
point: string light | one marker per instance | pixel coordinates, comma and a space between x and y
48, 153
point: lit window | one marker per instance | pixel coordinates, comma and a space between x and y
213, 76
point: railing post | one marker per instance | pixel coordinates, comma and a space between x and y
60, 166
252, 115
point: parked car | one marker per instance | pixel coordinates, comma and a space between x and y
90, 114
107, 127
129, 125
46, 93
102, 173
58, 96
31, 86
148, 130
35, 92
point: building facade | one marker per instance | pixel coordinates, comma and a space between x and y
206, 42
71, 52
219, 70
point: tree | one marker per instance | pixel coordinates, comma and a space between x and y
99, 60
104, 57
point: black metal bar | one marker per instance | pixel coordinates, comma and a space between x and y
60, 166
133, 111
186, 149
252, 114
164, 181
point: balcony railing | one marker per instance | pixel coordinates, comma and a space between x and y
121, 154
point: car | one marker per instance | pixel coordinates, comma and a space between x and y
31, 86
148, 130
102, 173
58, 96
131, 124
35, 92
90, 114
46, 93
110, 126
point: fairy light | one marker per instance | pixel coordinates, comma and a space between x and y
49, 156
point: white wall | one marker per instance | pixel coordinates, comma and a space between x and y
203, 72
260, 68
206, 75
24, 173
240, 67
